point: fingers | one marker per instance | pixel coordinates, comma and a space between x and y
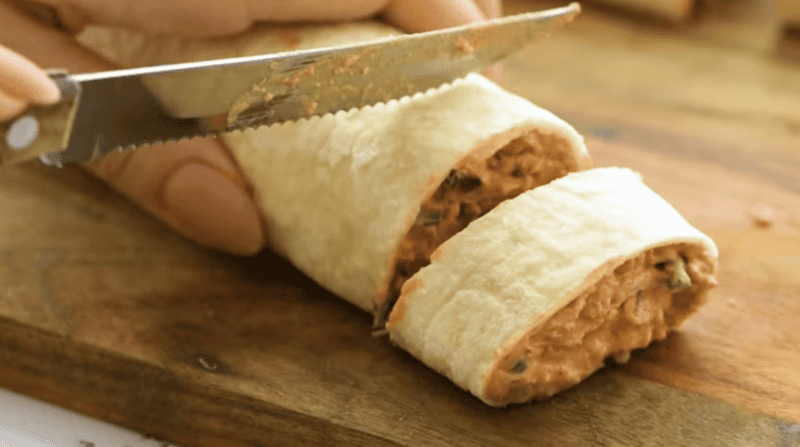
409, 15
194, 187
416, 16
21, 83
492, 9
22, 79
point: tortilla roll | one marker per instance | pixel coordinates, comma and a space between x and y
530, 299
358, 200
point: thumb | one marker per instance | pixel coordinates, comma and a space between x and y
194, 187
22, 82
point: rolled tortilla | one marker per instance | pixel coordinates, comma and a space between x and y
531, 298
358, 200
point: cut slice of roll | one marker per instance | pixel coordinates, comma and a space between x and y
359, 200
531, 298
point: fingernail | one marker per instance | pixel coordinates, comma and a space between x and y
210, 208
48, 91
45, 89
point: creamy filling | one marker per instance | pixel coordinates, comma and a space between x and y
480, 181
638, 303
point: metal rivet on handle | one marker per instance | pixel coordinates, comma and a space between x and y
22, 133
52, 159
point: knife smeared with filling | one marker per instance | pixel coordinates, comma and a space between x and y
466, 219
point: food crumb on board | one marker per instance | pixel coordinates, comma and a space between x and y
762, 215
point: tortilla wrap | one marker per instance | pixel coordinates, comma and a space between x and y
342, 193
530, 299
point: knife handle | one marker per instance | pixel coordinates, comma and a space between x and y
42, 131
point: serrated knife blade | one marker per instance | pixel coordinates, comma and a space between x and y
125, 109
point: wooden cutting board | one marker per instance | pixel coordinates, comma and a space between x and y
106, 312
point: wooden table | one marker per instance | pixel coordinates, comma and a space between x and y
105, 311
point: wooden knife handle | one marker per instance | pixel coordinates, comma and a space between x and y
42, 131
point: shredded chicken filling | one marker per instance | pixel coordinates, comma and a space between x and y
640, 302
478, 183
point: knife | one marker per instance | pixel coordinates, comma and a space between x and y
125, 109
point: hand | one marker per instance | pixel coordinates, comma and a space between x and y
195, 186
218, 17
21, 84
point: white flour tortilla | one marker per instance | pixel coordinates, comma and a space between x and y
340, 192
513, 268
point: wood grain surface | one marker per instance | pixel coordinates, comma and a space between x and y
718, 91
105, 311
